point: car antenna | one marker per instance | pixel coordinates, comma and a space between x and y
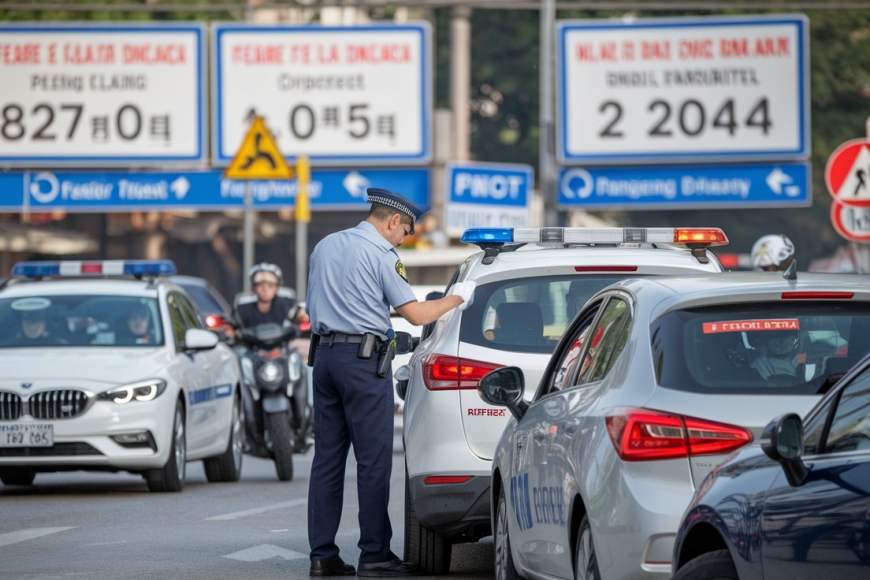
790, 273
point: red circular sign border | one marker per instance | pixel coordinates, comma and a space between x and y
839, 150
836, 220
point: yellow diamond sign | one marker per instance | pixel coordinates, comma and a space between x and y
258, 157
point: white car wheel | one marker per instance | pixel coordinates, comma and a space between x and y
228, 465
585, 562
171, 476
504, 562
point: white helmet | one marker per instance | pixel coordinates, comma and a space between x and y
267, 268
772, 253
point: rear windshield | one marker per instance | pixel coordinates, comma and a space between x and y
770, 348
80, 321
528, 314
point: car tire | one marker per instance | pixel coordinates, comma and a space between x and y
430, 550
716, 565
585, 560
504, 560
171, 476
282, 444
228, 465
17, 477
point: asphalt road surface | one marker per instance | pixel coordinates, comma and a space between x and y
108, 526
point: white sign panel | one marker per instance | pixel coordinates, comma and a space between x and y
99, 95
694, 89
358, 95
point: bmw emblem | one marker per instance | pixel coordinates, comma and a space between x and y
26, 385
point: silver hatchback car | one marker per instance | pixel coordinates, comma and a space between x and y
655, 383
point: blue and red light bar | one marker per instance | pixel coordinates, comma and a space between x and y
73, 269
689, 237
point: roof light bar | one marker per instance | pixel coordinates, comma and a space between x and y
684, 236
67, 268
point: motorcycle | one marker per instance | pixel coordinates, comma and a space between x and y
279, 419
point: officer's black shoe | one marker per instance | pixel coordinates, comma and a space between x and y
334, 566
391, 568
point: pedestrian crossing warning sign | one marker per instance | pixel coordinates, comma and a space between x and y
847, 173
258, 157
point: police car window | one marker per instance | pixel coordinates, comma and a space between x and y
771, 348
191, 318
850, 428
176, 319
80, 320
606, 340
527, 314
567, 367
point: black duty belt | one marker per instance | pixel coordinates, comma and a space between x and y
341, 338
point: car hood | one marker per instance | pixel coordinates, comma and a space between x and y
31, 369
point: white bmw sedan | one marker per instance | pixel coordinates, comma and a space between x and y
107, 366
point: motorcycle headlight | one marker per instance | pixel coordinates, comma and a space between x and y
270, 373
143, 391
294, 367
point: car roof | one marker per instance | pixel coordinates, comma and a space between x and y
647, 259
101, 286
679, 292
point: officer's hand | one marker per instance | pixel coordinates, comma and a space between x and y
464, 290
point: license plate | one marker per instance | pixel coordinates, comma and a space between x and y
26, 435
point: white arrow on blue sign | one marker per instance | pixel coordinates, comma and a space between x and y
686, 187
487, 195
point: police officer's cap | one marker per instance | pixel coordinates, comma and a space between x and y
397, 202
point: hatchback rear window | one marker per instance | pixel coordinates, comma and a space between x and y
528, 314
770, 348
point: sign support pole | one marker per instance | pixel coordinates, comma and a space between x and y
546, 145
303, 216
248, 243
861, 250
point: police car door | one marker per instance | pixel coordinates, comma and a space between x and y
185, 372
211, 403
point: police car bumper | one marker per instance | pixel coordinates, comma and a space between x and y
453, 508
107, 436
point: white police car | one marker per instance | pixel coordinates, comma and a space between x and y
107, 366
530, 284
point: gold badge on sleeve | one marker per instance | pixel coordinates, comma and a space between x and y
400, 270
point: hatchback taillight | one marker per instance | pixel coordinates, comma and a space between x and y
442, 372
644, 435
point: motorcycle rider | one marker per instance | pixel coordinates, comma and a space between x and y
266, 278
772, 253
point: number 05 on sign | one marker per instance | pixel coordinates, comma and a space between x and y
693, 89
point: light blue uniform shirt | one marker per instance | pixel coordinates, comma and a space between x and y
353, 280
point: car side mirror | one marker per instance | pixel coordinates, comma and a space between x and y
402, 376
404, 342
199, 339
783, 441
504, 388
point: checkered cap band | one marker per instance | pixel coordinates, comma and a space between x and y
375, 198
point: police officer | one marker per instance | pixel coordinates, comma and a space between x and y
355, 276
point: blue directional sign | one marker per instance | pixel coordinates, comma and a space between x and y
487, 195
686, 187
199, 190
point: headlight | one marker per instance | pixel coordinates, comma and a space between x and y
142, 391
270, 373
294, 367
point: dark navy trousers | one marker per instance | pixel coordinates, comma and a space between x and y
352, 406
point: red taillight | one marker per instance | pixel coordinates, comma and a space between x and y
644, 435
706, 236
817, 295
605, 268
442, 372
92, 268
211, 320
442, 479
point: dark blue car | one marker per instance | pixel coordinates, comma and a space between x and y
795, 507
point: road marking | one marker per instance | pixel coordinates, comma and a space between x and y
265, 552
259, 510
28, 534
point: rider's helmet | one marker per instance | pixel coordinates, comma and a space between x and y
772, 253
265, 271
